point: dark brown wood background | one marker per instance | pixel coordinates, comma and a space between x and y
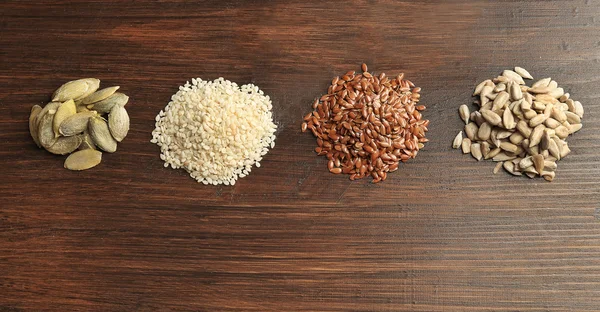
441, 234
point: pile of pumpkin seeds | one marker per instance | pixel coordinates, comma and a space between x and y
522, 128
79, 119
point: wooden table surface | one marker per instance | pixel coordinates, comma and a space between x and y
441, 234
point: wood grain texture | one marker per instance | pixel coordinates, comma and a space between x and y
441, 234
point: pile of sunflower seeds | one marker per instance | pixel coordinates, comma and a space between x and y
522, 128
81, 117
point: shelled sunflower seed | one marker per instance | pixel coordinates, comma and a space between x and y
81, 117
522, 128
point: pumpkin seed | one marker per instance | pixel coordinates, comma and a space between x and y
99, 95
76, 89
45, 131
107, 104
76, 124
64, 111
84, 159
87, 142
33, 127
65, 145
98, 129
118, 122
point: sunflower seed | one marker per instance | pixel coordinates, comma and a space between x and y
573, 118
463, 111
503, 157
578, 109
548, 175
561, 132
33, 129
523, 128
118, 122
491, 117
480, 87
515, 92
107, 104
509, 147
497, 168
542, 83
536, 135
99, 95
485, 130
485, 148
513, 76
553, 149
500, 87
523, 73
471, 130
98, 129
557, 93
526, 162
76, 89
508, 119
64, 111
493, 153
549, 166
500, 101
82, 160
537, 120
466, 145
574, 128
457, 140
476, 151
545, 141
516, 138
509, 166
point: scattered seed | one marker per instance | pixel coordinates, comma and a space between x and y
463, 110
457, 140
